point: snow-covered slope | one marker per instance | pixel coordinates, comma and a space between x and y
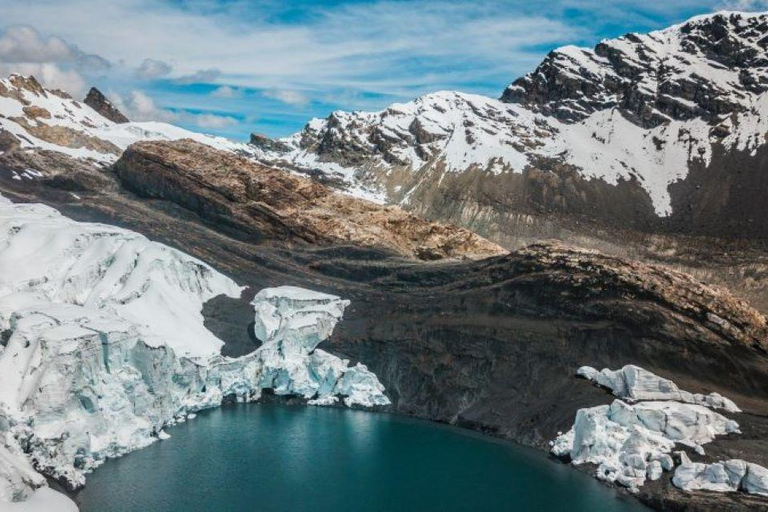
640, 110
33, 117
104, 345
45, 256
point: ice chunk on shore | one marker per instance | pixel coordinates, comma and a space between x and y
635, 383
726, 476
626, 440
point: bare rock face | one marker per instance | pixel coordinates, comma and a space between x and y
256, 201
8, 141
98, 102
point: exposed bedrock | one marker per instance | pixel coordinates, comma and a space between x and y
257, 201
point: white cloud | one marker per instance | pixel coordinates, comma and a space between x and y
151, 69
201, 76
386, 46
288, 97
226, 91
746, 5
23, 44
55, 62
214, 122
139, 106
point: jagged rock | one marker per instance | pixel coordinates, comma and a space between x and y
264, 143
98, 102
35, 112
260, 201
8, 141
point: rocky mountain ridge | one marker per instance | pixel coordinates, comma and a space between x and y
257, 201
662, 132
706, 68
39, 119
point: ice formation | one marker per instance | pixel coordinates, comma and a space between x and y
726, 476
632, 442
291, 322
634, 383
104, 346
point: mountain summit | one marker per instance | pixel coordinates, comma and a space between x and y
707, 68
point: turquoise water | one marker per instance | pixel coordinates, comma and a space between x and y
268, 457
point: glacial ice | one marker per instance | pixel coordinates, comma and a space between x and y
634, 383
291, 322
631, 440
105, 347
103, 267
624, 440
725, 476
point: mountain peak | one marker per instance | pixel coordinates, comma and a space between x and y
98, 102
707, 67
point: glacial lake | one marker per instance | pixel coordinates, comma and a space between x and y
270, 457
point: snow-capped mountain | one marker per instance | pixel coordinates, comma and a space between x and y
32, 117
647, 131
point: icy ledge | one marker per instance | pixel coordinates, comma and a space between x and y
634, 383
105, 347
630, 443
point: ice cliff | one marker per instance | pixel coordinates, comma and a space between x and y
291, 322
102, 346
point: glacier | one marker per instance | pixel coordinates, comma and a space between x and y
103, 347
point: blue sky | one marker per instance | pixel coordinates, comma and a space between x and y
231, 67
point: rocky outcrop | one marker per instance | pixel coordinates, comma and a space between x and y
98, 102
264, 143
253, 200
